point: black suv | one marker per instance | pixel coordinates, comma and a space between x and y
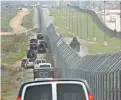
44, 43
41, 48
39, 36
33, 46
31, 54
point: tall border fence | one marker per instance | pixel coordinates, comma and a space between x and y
102, 71
99, 22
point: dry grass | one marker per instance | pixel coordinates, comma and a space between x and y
13, 48
9, 86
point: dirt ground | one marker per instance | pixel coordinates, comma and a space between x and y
16, 26
16, 22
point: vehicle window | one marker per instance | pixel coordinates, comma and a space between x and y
33, 40
70, 92
44, 65
38, 61
30, 60
40, 34
39, 92
43, 61
24, 60
41, 45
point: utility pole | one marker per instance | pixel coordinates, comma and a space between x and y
105, 41
80, 25
72, 23
66, 18
77, 23
69, 19
61, 8
120, 24
94, 38
65, 15
87, 29
115, 24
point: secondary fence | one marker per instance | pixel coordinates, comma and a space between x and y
102, 71
92, 14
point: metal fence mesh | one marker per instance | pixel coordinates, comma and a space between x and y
102, 71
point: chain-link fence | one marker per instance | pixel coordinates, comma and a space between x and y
102, 71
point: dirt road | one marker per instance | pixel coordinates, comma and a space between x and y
16, 22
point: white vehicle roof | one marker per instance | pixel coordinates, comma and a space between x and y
38, 66
40, 59
40, 79
39, 33
44, 64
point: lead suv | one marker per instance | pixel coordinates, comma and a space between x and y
55, 89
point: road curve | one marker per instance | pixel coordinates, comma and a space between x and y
16, 22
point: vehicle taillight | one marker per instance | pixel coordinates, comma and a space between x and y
18, 98
90, 96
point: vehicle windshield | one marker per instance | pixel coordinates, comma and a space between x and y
30, 60
70, 92
40, 34
33, 40
30, 51
41, 45
41, 92
43, 61
44, 65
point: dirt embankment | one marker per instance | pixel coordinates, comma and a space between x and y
16, 22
